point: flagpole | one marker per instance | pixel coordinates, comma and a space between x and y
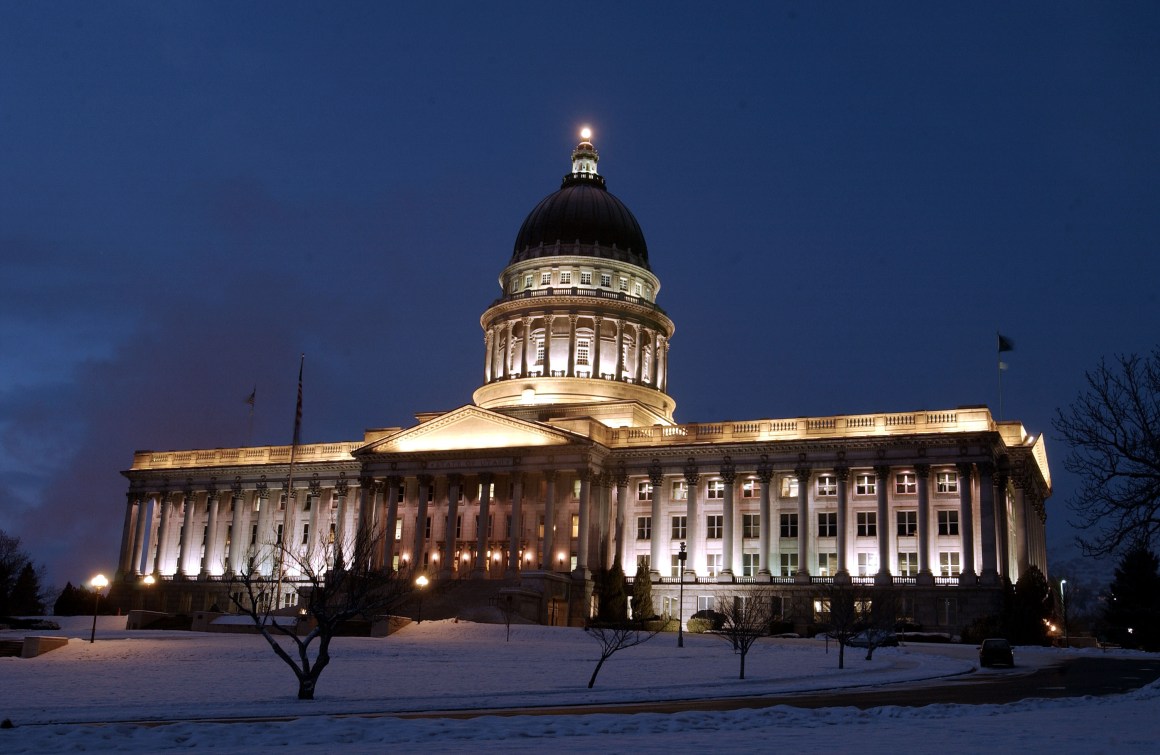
253, 398
999, 369
290, 483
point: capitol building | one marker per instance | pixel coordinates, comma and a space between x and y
570, 457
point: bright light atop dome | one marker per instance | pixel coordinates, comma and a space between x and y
585, 133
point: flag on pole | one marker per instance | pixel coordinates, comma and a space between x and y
253, 397
298, 410
1005, 343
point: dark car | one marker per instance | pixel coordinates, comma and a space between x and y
880, 638
996, 652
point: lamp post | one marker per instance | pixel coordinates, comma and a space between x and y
99, 583
681, 600
1063, 601
420, 583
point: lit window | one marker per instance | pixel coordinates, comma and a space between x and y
827, 485
750, 563
539, 351
636, 290
585, 279
948, 563
575, 525
789, 487
750, 525
545, 279
867, 564
644, 528
867, 523
644, 491
865, 484
528, 281
715, 490
907, 564
750, 488
565, 278
827, 564
789, 525
680, 490
714, 524
713, 563
606, 280
948, 522
907, 523
789, 564
624, 284
827, 524
678, 531
905, 483
676, 566
947, 482
582, 352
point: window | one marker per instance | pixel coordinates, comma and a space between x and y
644, 491
399, 528
789, 525
907, 522
582, 352
676, 566
713, 563
867, 564
789, 487
306, 534
751, 525
946, 482
827, 524
750, 563
427, 528
704, 602
789, 564
644, 528
585, 279
459, 526
715, 490
636, 290
948, 563
606, 280
867, 523
827, 564
575, 525
306, 506
680, 490
539, 528
545, 279
750, 488
678, 530
948, 522
528, 281
907, 564
565, 277
714, 526
539, 351
905, 483
253, 534
624, 284
865, 484
827, 485
279, 540
822, 610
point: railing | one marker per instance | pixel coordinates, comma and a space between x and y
228, 457
592, 293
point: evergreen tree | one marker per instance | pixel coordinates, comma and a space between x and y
1029, 608
25, 600
612, 605
642, 603
1134, 602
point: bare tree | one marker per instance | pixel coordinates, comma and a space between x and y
848, 608
332, 596
748, 616
615, 637
1113, 428
881, 619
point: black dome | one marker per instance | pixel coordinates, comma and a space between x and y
582, 218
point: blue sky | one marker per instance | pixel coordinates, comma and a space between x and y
843, 202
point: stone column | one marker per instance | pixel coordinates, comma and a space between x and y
765, 517
1001, 523
988, 574
548, 557
571, 345
692, 520
585, 523
842, 474
548, 320
658, 540
525, 343
596, 341
638, 351
237, 529
211, 532
922, 473
803, 538
623, 509
263, 550
420, 541
141, 533
318, 510
454, 487
123, 562
164, 517
184, 562
508, 349
516, 525
966, 526
488, 354
885, 573
479, 570
366, 503
730, 565
341, 525
619, 350
394, 487
1023, 531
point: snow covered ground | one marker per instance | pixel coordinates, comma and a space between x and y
164, 676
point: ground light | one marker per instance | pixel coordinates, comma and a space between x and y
420, 583
99, 583
681, 600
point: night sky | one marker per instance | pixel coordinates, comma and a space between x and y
843, 202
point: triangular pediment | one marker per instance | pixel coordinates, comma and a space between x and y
469, 428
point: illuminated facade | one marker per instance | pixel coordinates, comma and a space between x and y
569, 458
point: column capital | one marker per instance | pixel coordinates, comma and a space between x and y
842, 473
764, 470
263, 488
656, 474
341, 485
454, 478
965, 468
236, 487
621, 475
728, 471
366, 482
486, 478
802, 474
882, 471
315, 485
922, 471
986, 468
692, 475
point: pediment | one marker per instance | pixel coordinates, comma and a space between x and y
469, 428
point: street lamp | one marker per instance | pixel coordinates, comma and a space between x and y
420, 582
1063, 601
681, 600
99, 583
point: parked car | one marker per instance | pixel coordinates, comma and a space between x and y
880, 638
996, 652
